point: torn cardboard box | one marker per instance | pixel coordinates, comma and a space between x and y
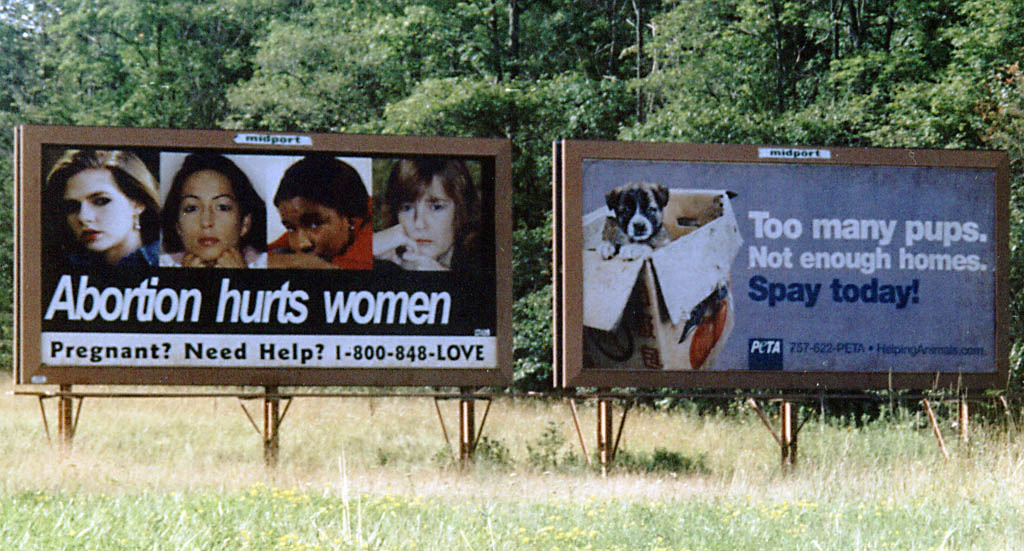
672, 309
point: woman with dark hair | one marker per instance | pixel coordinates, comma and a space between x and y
433, 214
325, 210
213, 217
101, 207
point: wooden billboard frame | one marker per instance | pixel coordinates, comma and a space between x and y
569, 156
29, 143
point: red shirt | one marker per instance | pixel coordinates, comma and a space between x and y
358, 255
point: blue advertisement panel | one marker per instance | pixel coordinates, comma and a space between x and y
787, 260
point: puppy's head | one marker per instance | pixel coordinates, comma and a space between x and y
637, 207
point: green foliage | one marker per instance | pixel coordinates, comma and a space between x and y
271, 518
532, 249
532, 114
660, 461
492, 452
135, 63
531, 318
904, 73
548, 451
1004, 116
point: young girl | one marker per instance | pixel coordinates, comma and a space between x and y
433, 213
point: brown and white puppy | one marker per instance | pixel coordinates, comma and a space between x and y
635, 227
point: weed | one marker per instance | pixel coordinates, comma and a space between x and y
493, 452
661, 460
545, 453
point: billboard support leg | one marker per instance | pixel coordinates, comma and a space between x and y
46, 424
622, 425
965, 432
67, 417
444, 429
467, 428
271, 424
273, 416
935, 428
604, 433
786, 438
1008, 412
579, 433
469, 433
788, 435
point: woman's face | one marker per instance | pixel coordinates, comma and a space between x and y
430, 221
314, 228
210, 220
100, 216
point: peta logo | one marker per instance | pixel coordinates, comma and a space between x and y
764, 355
765, 346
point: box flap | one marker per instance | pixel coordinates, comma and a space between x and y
691, 267
607, 285
593, 226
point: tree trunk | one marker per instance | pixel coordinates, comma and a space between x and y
513, 37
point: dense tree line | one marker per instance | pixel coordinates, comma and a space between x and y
903, 73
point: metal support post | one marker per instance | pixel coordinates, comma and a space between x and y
935, 428
965, 432
786, 438
467, 430
789, 435
271, 424
605, 427
579, 433
65, 418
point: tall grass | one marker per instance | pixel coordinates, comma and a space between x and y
374, 473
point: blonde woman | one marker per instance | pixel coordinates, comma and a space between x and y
101, 207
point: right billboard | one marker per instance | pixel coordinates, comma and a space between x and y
729, 266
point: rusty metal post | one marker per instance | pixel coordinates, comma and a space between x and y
579, 433
935, 428
271, 424
65, 418
788, 443
965, 432
604, 433
467, 430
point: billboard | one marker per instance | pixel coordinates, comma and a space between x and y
149, 256
722, 266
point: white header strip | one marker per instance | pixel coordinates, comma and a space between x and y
272, 139
793, 153
147, 350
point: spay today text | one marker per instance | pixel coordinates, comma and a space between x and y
873, 292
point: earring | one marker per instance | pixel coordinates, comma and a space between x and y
136, 225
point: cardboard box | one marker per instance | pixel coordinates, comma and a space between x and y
673, 309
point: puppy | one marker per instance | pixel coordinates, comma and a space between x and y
635, 227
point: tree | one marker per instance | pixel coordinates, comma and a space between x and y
138, 63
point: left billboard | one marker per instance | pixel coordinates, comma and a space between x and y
196, 257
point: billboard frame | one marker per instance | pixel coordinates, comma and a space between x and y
569, 156
30, 141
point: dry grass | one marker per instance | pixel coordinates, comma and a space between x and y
395, 446
376, 473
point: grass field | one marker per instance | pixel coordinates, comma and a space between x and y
376, 474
